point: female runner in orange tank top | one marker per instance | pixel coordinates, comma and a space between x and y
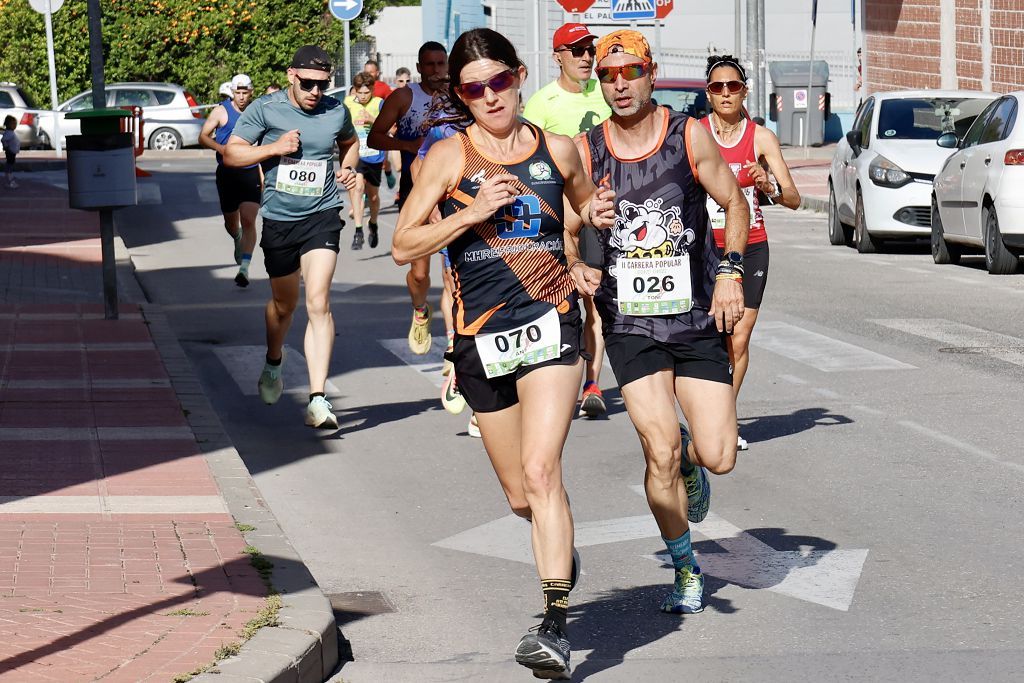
744, 144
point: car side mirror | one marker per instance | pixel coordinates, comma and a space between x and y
948, 141
855, 139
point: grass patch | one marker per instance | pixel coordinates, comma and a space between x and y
259, 563
244, 528
186, 612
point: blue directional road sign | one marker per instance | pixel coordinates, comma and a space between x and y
633, 10
346, 10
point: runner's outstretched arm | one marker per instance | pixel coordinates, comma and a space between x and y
395, 106
215, 120
240, 152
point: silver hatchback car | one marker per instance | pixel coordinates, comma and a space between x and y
171, 118
17, 103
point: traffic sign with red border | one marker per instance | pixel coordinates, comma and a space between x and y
577, 6
663, 7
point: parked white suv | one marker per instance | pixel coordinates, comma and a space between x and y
978, 202
171, 118
880, 182
17, 103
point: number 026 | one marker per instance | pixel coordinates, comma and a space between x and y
653, 285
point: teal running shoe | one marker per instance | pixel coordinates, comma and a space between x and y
687, 596
698, 487
271, 385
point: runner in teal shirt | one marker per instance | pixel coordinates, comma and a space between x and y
292, 134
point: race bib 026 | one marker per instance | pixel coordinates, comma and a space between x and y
535, 342
303, 177
657, 286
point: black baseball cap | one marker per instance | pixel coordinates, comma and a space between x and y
311, 57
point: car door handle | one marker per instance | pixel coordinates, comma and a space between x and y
988, 160
962, 164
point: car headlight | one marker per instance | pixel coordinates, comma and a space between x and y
887, 174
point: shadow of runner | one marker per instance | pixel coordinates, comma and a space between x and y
768, 427
623, 620
375, 415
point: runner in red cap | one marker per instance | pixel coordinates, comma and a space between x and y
569, 105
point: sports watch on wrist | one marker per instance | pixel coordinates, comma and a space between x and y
733, 258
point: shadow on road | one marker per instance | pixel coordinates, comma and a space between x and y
768, 427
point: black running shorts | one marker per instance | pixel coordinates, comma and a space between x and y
755, 273
284, 242
236, 186
485, 395
370, 172
634, 356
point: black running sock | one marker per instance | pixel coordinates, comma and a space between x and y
274, 363
556, 600
314, 395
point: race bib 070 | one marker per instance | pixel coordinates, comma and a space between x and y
656, 286
535, 342
717, 213
303, 177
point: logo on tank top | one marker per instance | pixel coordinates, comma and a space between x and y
539, 170
519, 219
478, 179
649, 231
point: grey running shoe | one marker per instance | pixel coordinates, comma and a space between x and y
320, 415
545, 650
698, 488
357, 240
372, 238
271, 385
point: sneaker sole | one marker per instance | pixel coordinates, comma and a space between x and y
326, 423
593, 407
544, 662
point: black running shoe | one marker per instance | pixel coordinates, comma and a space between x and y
545, 650
357, 240
372, 238
241, 280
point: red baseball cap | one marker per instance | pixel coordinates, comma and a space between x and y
570, 34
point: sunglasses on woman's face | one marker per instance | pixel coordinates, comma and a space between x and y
307, 84
630, 72
579, 50
474, 90
717, 87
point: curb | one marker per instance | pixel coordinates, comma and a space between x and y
814, 204
303, 647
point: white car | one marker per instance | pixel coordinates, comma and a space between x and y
171, 119
978, 202
880, 181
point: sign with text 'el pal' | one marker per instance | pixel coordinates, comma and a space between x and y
633, 10
600, 14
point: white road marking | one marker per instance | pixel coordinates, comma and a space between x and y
828, 393
919, 271
428, 365
962, 445
793, 379
824, 577
11, 505
245, 363
954, 334
207, 192
149, 193
819, 351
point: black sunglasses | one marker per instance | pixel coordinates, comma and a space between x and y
474, 90
307, 84
579, 50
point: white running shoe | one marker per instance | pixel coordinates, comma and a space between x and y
474, 427
319, 414
741, 443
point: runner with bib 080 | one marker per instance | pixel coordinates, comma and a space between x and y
502, 184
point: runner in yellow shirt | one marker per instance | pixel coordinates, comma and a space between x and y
570, 105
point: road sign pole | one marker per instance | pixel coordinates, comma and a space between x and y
657, 40
48, 14
348, 57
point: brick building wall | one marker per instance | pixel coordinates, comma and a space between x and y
904, 48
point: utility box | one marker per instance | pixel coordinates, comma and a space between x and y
800, 113
101, 162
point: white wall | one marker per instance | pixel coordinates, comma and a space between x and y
398, 31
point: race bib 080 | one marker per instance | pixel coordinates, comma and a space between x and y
717, 213
303, 177
656, 286
535, 342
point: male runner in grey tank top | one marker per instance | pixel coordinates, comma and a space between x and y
407, 108
664, 299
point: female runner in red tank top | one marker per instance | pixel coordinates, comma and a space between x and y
743, 145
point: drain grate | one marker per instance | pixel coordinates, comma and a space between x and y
356, 605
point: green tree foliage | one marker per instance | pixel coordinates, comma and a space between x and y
196, 43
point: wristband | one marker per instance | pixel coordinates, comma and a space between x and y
576, 263
736, 277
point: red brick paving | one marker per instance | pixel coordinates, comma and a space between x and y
87, 597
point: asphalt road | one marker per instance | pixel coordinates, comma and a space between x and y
871, 532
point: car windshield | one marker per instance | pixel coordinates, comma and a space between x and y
927, 118
692, 101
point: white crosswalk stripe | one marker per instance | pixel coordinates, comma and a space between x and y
960, 337
244, 364
428, 365
819, 351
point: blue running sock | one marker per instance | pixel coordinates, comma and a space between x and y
681, 552
246, 258
589, 383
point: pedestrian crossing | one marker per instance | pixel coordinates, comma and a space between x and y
820, 351
960, 338
244, 364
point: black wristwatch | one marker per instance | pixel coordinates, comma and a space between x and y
734, 258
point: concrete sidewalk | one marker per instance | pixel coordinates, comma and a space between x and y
122, 503
810, 173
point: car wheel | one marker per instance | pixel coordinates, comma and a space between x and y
866, 244
998, 259
837, 232
164, 139
942, 251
